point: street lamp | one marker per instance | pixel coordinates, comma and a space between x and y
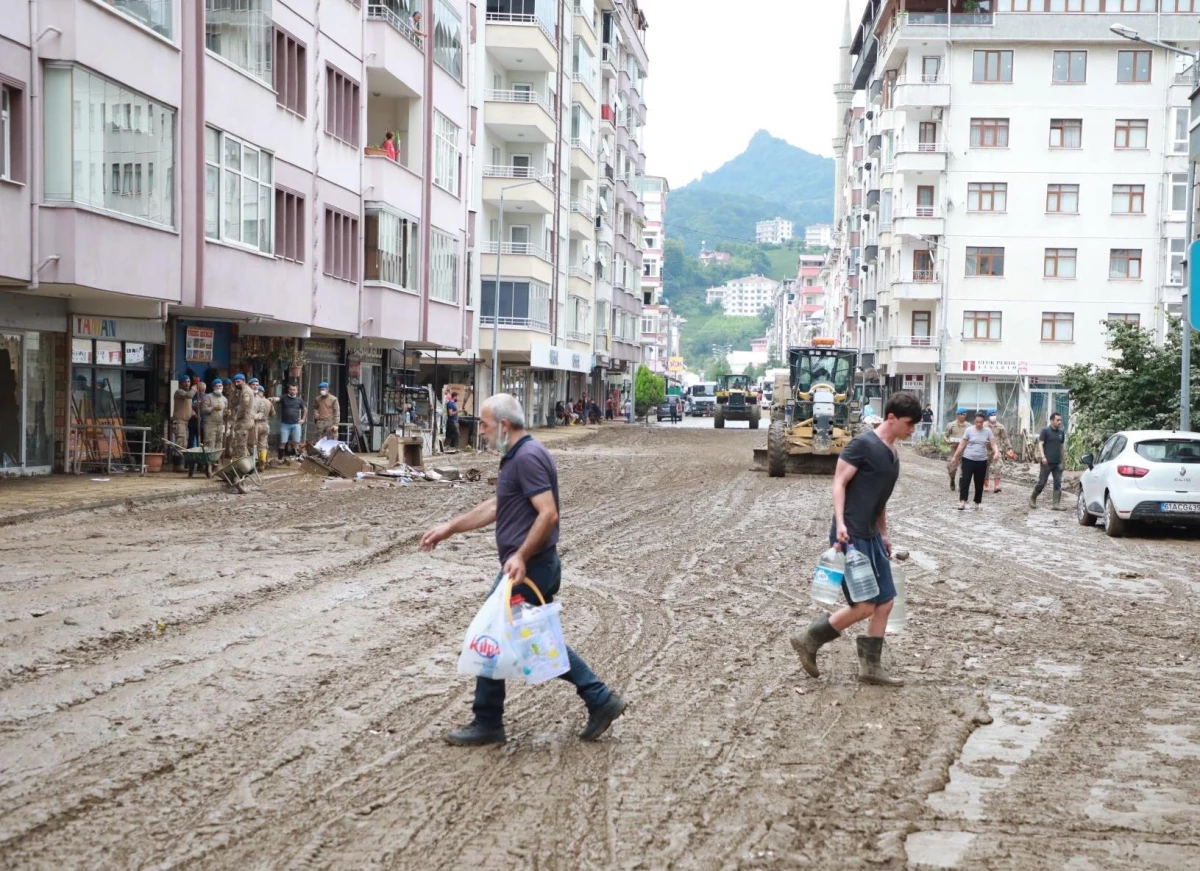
1185, 373
496, 291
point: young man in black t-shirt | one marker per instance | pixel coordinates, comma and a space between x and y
862, 484
1050, 452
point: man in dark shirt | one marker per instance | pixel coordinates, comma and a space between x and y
525, 511
862, 484
292, 416
452, 421
1050, 451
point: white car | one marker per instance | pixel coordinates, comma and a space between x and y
1142, 476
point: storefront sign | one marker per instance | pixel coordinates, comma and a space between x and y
554, 357
129, 329
995, 367
914, 382
199, 345
674, 364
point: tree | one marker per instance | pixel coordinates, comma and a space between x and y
766, 316
717, 368
648, 390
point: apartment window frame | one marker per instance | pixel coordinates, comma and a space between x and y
341, 248
924, 318
1064, 128
1134, 57
447, 157
528, 309
985, 261
448, 39
290, 73
1176, 254
1178, 183
394, 258
1130, 198
289, 221
1124, 318
1059, 194
444, 266
997, 127
254, 34
1126, 132
162, 8
987, 196
1058, 327
1060, 263
983, 326
991, 66
1125, 264
342, 106
264, 184
1074, 74
10, 130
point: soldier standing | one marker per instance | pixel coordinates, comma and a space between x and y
326, 412
954, 434
243, 420
1003, 443
263, 409
233, 392
181, 413
212, 408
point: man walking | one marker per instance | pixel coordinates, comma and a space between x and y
1003, 445
862, 484
452, 421
326, 412
292, 416
674, 409
954, 434
525, 511
1050, 451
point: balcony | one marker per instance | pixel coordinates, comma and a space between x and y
873, 143
389, 182
584, 275
521, 42
583, 219
521, 114
919, 221
922, 92
872, 202
584, 90
608, 115
378, 12
868, 307
608, 60
921, 157
870, 253
922, 284
394, 54
522, 191
583, 159
913, 349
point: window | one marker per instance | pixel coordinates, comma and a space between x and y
1133, 67
987, 197
651, 241
341, 106
155, 14
1179, 192
981, 326
1129, 199
447, 39
522, 304
1131, 133
341, 245
289, 225
1066, 133
922, 322
992, 66
1070, 68
443, 266
239, 198
94, 154
392, 242
1178, 247
241, 32
1058, 327
445, 153
1124, 318
1180, 145
291, 74
989, 133
1059, 263
1125, 263
985, 261
1181, 5
1062, 199
9, 99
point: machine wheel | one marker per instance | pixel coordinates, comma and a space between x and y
754, 421
776, 450
1085, 517
719, 420
1113, 524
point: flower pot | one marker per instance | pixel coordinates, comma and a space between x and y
154, 462
372, 151
295, 371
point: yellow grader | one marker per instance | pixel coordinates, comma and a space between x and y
737, 399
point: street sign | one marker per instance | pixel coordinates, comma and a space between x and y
675, 364
1191, 313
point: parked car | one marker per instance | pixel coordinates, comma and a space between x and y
663, 410
1142, 476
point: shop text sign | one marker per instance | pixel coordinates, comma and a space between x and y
914, 382
554, 357
675, 364
199, 345
995, 367
118, 329
95, 328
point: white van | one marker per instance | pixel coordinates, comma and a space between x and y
702, 398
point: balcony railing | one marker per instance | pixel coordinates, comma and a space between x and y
954, 18
516, 172
922, 147
586, 81
584, 208
526, 248
579, 272
919, 212
384, 13
521, 323
924, 275
583, 13
913, 342
519, 96
584, 146
608, 113
924, 79
579, 336
517, 18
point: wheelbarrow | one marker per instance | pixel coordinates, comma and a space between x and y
198, 458
236, 473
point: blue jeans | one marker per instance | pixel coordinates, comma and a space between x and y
289, 432
545, 570
882, 564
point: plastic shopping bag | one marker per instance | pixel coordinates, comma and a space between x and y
487, 650
537, 637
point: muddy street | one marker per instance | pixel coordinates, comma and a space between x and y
263, 682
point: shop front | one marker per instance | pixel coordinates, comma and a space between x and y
203, 349
324, 360
28, 411
365, 386
559, 374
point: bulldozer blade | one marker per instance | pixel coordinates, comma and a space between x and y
800, 464
760, 459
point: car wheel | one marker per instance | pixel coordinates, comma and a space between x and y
1085, 517
1113, 524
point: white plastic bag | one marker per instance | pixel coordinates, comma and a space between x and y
537, 638
487, 650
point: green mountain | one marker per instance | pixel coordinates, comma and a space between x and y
769, 179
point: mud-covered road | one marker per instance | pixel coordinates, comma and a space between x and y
263, 682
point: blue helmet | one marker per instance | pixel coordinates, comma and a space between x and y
323, 384
239, 377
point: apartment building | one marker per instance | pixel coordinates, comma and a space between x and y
818, 235
195, 191
773, 232
746, 296
657, 317
1011, 179
800, 304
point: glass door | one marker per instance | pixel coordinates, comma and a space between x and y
11, 356
39, 400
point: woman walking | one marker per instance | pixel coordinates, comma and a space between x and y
977, 442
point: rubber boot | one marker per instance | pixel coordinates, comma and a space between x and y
870, 667
1033, 499
807, 643
1056, 502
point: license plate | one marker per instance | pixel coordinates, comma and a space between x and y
1181, 507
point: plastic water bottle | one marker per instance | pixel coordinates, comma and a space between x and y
827, 579
517, 605
860, 577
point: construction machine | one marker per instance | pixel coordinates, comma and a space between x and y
737, 399
813, 416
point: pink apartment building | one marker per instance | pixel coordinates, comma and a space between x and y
186, 187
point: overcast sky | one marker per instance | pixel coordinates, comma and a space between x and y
719, 71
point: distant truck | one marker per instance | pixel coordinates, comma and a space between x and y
703, 398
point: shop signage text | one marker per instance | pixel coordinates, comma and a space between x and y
554, 357
914, 382
996, 367
675, 364
126, 329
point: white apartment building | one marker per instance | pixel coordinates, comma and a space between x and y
1010, 181
656, 316
773, 232
818, 235
744, 296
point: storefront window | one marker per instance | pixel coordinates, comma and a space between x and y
10, 400
39, 400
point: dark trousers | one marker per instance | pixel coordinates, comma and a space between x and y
451, 434
972, 470
545, 570
1044, 473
